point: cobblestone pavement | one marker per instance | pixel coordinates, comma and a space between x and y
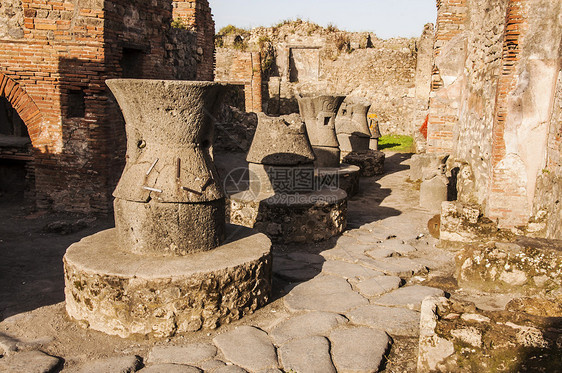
347, 305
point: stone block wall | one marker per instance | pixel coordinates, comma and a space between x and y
54, 60
493, 105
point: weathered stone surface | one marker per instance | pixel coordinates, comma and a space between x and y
395, 321
293, 270
378, 285
169, 368
192, 354
230, 369
134, 222
394, 266
345, 177
29, 362
381, 253
409, 296
11, 20
433, 192
509, 268
319, 113
324, 293
8, 345
211, 365
247, 347
280, 141
306, 325
119, 364
426, 165
310, 354
310, 217
269, 180
348, 270
371, 162
396, 245
358, 349
100, 280
455, 335
433, 349
351, 125
168, 164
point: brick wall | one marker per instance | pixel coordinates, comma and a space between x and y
242, 68
449, 59
54, 74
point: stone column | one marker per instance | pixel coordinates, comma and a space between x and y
319, 114
169, 183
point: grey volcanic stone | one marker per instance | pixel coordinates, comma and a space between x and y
348, 270
166, 295
358, 349
307, 355
119, 364
433, 192
381, 253
309, 324
324, 293
371, 162
169, 368
378, 285
247, 347
409, 296
280, 141
230, 369
395, 266
168, 164
211, 365
395, 321
319, 114
293, 270
191, 354
28, 362
398, 246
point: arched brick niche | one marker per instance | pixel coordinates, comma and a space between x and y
26, 108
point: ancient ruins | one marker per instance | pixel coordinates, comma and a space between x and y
177, 198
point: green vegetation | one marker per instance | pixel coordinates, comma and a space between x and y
397, 143
231, 30
178, 23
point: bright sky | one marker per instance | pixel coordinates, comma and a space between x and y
386, 18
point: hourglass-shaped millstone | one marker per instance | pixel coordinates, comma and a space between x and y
169, 200
352, 127
319, 113
281, 158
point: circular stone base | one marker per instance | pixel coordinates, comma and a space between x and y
291, 218
371, 162
125, 294
345, 177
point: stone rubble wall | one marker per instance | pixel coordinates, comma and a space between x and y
309, 59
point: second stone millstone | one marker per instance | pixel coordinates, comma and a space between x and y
169, 182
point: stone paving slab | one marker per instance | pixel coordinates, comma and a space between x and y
366, 236
409, 296
211, 365
307, 355
306, 325
230, 369
358, 349
395, 321
247, 347
398, 246
192, 354
379, 285
324, 293
395, 266
346, 255
293, 270
381, 253
118, 364
306, 258
348, 270
169, 368
28, 362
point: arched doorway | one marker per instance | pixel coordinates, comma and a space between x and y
16, 155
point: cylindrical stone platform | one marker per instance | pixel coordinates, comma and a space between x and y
125, 294
371, 162
291, 218
345, 177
